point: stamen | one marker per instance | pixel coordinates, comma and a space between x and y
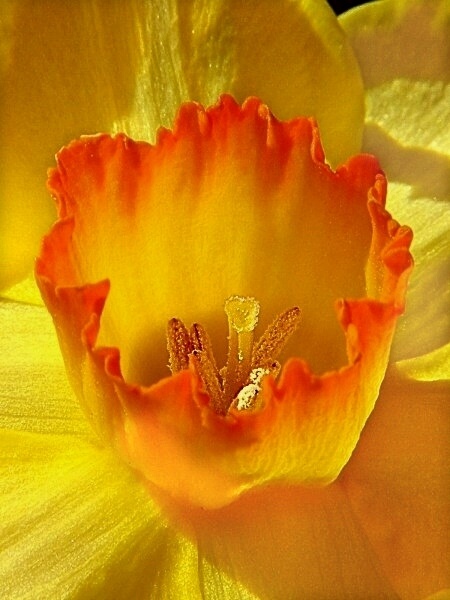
207, 373
275, 337
237, 385
242, 313
179, 345
201, 342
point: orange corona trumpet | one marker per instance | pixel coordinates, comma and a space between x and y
235, 207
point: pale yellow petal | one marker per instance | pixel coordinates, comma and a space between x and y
425, 326
25, 291
76, 524
411, 25
403, 50
434, 366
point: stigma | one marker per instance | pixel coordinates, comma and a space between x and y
238, 383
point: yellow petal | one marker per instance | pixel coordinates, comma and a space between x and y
56, 83
55, 481
75, 523
441, 595
35, 394
268, 544
397, 482
90, 66
291, 54
289, 543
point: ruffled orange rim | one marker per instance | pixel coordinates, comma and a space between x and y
307, 425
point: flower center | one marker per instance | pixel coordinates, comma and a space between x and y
238, 383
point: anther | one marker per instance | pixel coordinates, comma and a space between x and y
201, 343
275, 337
179, 345
206, 370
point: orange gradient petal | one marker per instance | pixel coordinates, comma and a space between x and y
231, 202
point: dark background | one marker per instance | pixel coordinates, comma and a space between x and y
340, 6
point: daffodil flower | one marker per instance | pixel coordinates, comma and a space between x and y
236, 476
